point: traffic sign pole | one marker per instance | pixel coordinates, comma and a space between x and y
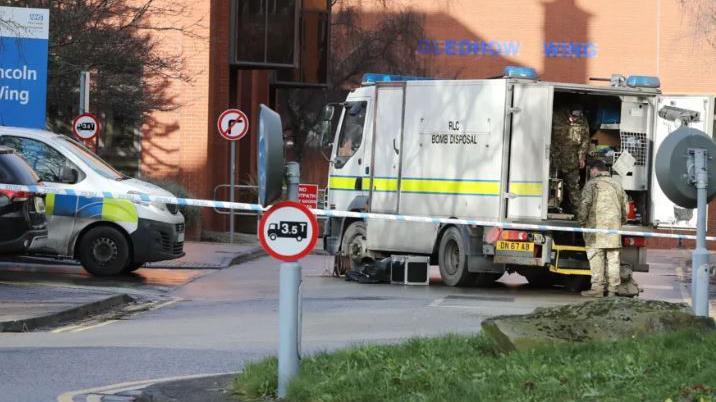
700, 256
288, 303
233, 125
232, 186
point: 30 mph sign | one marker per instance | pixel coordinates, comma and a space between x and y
233, 124
85, 126
288, 231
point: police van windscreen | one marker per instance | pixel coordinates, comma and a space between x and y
93, 161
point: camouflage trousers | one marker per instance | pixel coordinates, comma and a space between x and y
570, 176
604, 262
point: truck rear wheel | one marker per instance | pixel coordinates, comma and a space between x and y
453, 259
104, 251
353, 246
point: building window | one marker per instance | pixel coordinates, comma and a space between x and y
313, 44
266, 33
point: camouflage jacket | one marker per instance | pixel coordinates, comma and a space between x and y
570, 141
603, 206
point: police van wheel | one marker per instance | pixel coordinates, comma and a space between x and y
453, 259
353, 245
104, 251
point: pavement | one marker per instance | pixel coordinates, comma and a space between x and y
214, 255
29, 305
26, 308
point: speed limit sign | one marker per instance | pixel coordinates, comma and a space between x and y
288, 231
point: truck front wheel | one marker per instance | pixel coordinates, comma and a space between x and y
104, 251
453, 259
353, 246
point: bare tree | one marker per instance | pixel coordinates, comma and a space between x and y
384, 40
116, 41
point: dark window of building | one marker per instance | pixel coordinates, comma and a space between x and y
266, 33
313, 42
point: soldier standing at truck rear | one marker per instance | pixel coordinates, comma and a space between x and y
603, 206
570, 144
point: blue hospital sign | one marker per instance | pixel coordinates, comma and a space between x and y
23, 66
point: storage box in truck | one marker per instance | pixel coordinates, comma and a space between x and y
480, 149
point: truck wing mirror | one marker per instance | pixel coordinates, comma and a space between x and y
325, 128
327, 113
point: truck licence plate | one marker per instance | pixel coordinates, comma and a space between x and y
515, 246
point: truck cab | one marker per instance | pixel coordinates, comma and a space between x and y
480, 150
109, 236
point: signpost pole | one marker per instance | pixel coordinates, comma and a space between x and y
289, 303
232, 184
700, 257
84, 91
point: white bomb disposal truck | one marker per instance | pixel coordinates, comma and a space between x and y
480, 149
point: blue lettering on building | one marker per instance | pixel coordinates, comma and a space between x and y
467, 47
570, 50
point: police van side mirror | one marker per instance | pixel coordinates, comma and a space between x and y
69, 175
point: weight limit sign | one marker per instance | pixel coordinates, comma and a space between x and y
288, 231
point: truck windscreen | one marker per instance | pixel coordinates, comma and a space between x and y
351, 134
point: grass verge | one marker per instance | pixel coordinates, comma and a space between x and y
678, 367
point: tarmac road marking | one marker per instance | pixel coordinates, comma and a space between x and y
66, 328
127, 386
101, 324
165, 304
96, 323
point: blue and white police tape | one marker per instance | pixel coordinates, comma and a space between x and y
144, 198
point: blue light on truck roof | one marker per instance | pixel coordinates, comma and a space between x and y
376, 77
643, 81
520, 72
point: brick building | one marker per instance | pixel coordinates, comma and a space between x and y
565, 40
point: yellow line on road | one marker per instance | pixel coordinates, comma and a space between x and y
127, 386
101, 324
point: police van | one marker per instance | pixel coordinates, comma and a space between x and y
480, 149
108, 236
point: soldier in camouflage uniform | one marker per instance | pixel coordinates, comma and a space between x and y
570, 144
603, 206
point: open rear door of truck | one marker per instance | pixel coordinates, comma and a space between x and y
528, 175
664, 213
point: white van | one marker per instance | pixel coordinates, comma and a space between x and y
109, 236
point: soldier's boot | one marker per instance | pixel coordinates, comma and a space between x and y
595, 292
628, 289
